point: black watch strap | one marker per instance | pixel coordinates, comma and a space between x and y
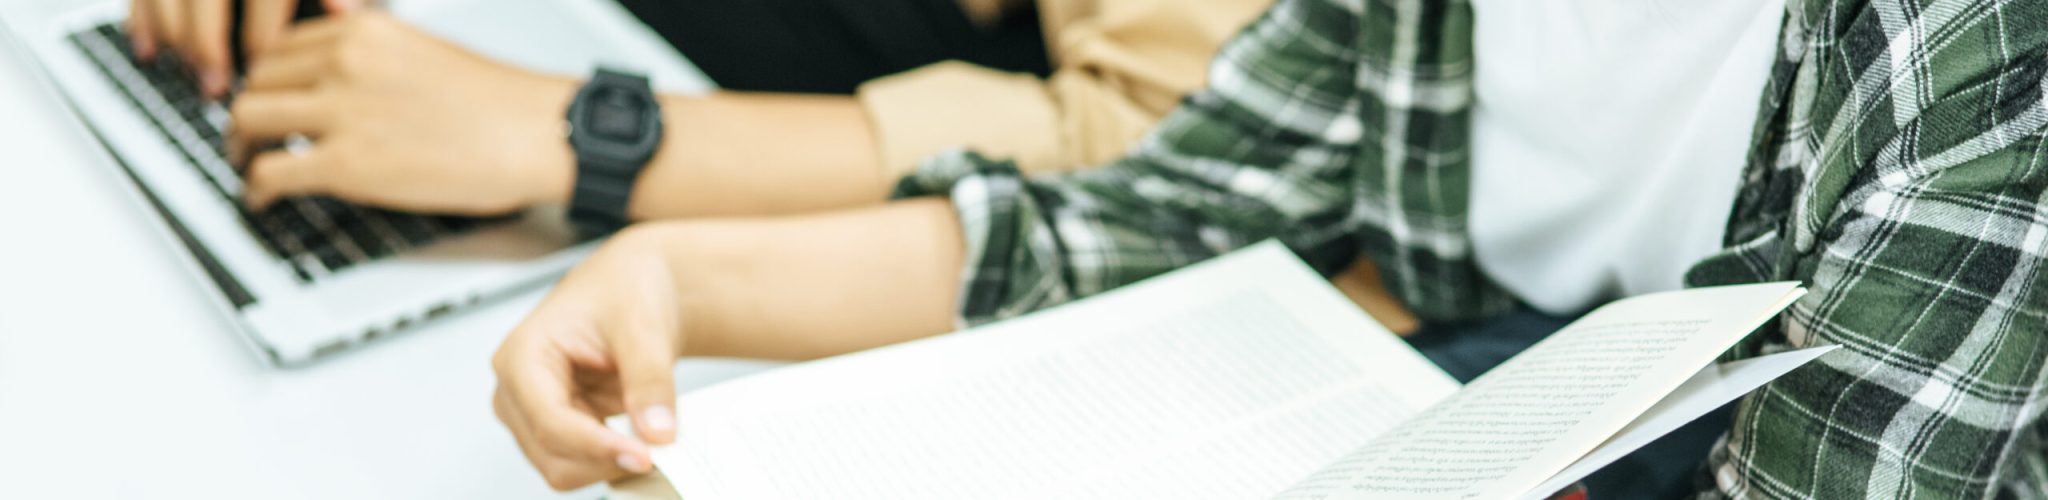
598, 207
615, 128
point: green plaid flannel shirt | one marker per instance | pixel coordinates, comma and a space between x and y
1897, 168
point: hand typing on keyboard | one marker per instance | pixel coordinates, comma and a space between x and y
200, 32
401, 120
318, 236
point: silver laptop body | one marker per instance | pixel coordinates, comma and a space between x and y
315, 276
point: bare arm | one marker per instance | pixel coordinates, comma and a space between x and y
403, 120
738, 153
756, 154
814, 286
800, 287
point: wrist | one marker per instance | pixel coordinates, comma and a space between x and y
615, 129
549, 164
694, 263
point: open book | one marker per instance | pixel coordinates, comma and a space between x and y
1247, 376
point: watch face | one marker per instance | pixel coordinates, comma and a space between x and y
615, 115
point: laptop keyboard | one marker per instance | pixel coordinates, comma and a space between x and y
317, 236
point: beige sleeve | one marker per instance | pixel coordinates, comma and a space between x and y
958, 105
1121, 65
1067, 122
1361, 283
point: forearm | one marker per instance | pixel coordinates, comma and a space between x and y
734, 154
605, 340
760, 154
817, 285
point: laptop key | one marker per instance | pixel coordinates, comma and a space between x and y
267, 231
302, 266
118, 41
380, 224
414, 229
331, 206
292, 221
214, 140
360, 233
331, 257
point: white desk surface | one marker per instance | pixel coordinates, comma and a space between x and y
117, 380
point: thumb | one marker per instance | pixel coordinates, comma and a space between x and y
278, 174
645, 352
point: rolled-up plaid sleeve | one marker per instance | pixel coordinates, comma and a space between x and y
1928, 271
1262, 154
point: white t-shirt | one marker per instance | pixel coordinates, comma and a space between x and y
1608, 138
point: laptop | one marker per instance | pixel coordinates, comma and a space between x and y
312, 277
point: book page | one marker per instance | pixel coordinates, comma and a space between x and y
1534, 415
1230, 379
1711, 388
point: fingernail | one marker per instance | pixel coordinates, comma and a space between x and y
214, 81
145, 48
631, 463
658, 418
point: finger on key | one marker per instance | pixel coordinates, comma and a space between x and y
211, 61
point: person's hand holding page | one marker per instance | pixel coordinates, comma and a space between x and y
602, 343
403, 120
198, 31
605, 340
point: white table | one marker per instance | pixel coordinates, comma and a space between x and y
118, 381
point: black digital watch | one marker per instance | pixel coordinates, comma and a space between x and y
614, 128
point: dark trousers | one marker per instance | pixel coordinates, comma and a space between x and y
831, 46
1665, 468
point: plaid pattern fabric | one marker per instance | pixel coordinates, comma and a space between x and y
1336, 127
1898, 171
1896, 168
